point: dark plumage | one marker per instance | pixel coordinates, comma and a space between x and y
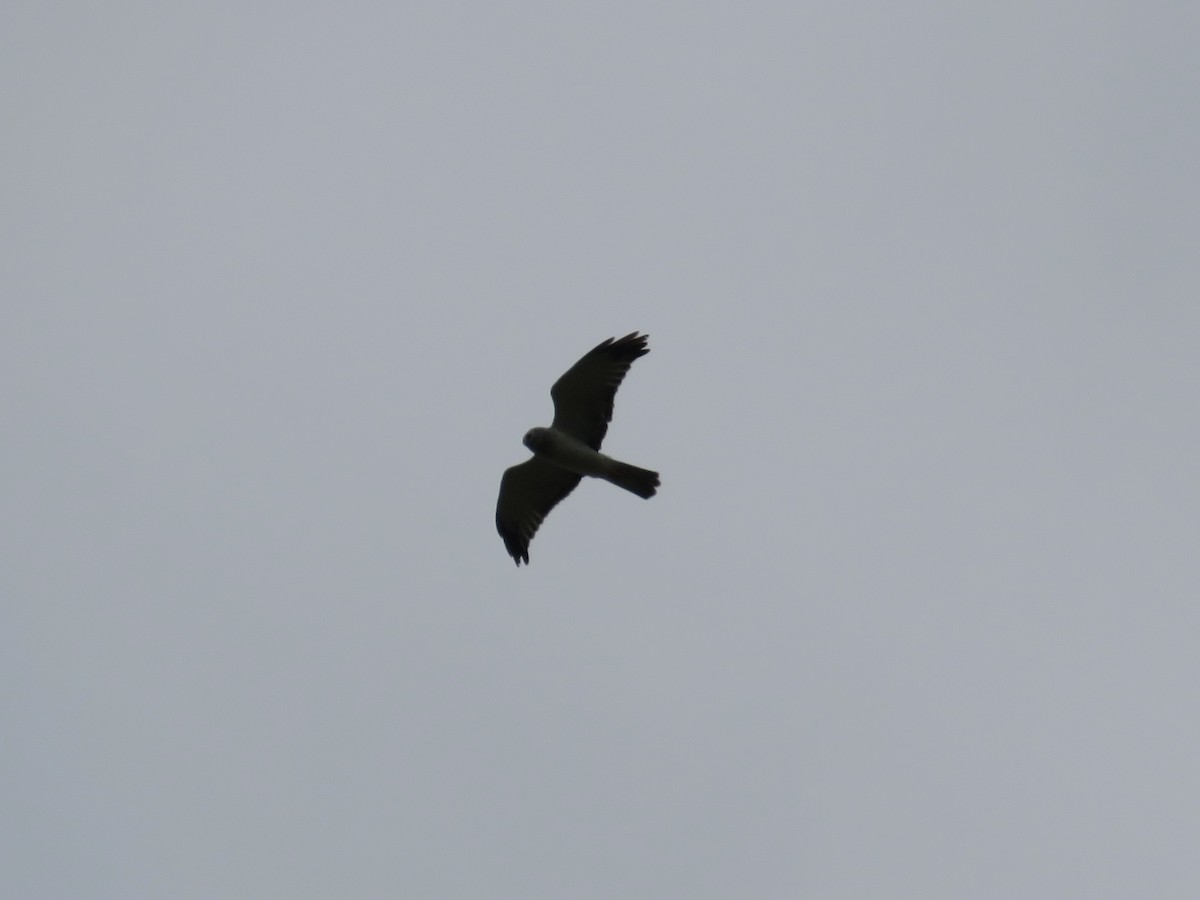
569, 448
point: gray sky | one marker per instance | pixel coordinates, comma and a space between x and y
915, 611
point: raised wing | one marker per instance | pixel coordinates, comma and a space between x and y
583, 397
527, 494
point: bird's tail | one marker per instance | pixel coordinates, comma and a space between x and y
642, 482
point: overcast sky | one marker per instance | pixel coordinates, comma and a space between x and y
915, 612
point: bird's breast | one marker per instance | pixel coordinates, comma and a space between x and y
569, 453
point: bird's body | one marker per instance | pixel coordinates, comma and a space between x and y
568, 453
570, 448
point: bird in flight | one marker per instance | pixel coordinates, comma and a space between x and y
570, 447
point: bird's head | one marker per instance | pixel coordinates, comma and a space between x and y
535, 439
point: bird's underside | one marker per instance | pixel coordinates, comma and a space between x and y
570, 448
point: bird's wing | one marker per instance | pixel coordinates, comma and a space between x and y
527, 494
583, 396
